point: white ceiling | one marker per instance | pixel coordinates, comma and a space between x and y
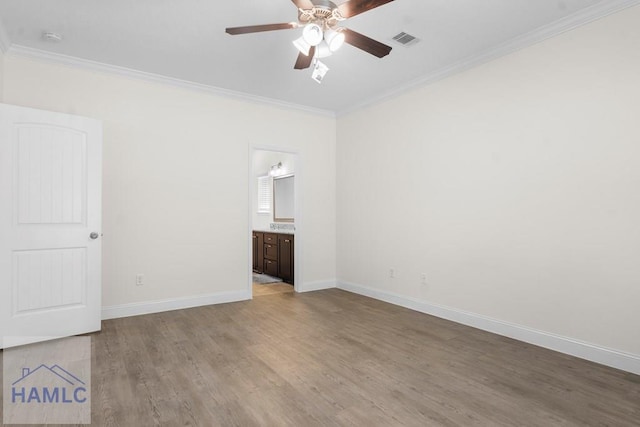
186, 40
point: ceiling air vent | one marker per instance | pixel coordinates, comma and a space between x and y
405, 39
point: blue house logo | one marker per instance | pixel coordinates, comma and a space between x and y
48, 384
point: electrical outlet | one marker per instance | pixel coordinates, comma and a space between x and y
139, 279
392, 273
423, 278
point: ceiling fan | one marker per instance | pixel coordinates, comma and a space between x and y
321, 34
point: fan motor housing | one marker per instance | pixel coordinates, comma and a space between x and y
324, 4
324, 11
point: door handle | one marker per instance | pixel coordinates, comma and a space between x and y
94, 235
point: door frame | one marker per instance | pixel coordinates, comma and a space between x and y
298, 221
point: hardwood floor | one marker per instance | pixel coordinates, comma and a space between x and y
335, 358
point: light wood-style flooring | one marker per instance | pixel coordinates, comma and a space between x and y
260, 289
332, 358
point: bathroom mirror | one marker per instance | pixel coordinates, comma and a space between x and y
283, 199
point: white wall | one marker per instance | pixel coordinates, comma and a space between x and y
262, 162
1, 74
176, 166
515, 186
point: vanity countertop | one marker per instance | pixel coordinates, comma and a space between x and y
275, 231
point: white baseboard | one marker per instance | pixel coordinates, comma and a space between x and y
317, 286
148, 307
605, 356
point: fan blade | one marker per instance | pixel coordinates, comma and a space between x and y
303, 4
365, 43
356, 7
304, 61
259, 28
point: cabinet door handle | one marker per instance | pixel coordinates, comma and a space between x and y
286, 240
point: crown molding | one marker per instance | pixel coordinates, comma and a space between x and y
5, 43
72, 61
585, 16
568, 23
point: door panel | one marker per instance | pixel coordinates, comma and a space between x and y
49, 279
258, 247
50, 187
255, 252
285, 257
51, 175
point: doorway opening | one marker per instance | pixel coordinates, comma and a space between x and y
274, 218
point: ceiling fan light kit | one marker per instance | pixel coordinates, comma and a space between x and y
312, 34
323, 50
321, 35
302, 46
334, 39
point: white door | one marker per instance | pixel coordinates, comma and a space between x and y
50, 204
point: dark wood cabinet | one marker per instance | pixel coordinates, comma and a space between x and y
273, 255
271, 267
258, 244
271, 238
285, 257
271, 246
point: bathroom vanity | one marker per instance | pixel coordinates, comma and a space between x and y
273, 254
